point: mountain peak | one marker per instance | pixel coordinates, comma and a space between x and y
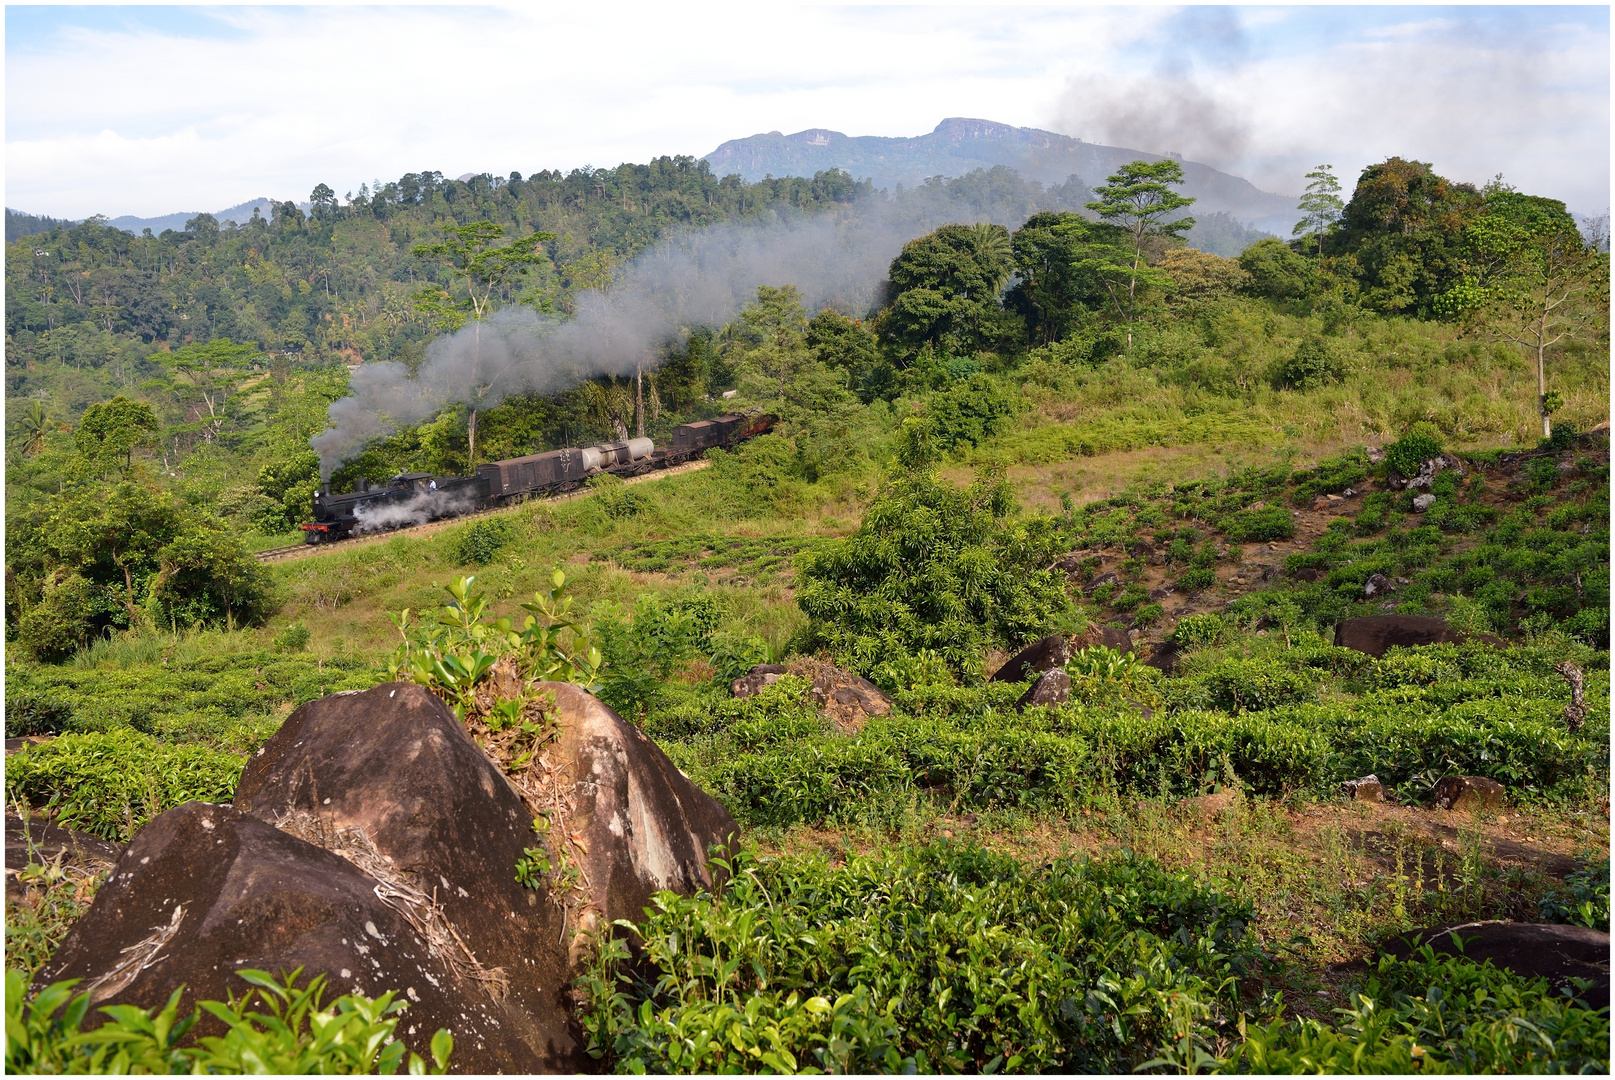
960, 144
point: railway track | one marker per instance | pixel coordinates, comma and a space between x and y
305, 551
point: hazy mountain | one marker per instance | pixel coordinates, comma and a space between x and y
959, 145
240, 214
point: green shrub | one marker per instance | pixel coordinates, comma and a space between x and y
1193, 631
276, 1027
110, 783
1269, 523
1313, 364
945, 958
932, 567
969, 411
478, 543
1421, 443
1433, 1014
293, 638
62, 621
1241, 685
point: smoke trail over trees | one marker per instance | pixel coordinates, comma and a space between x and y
699, 278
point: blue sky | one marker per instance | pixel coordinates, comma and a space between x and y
150, 110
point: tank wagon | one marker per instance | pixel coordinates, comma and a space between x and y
414, 498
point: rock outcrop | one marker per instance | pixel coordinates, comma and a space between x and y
206, 890
372, 839
1550, 951
1374, 634
1365, 789
1040, 656
1468, 793
1053, 687
848, 700
751, 683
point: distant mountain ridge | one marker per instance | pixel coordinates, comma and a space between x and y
21, 223
240, 214
960, 144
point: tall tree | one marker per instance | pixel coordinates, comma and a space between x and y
211, 372
945, 290
1320, 203
111, 430
1054, 260
774, 330
1534, 281
34, 424
1140, 198
471, 258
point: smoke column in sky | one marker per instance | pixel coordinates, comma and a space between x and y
697, 278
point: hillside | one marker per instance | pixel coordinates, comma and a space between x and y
1193, 835
958, 145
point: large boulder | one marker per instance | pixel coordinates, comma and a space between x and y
1111, 637
1040, 656
204, 890
644, 826
394, 763
373, 820
1375, 634
847, 699
1053, 687
1550, 951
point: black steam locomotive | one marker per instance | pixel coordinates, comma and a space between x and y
414, 498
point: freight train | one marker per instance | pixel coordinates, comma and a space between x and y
414, 498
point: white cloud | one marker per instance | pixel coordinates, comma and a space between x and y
116, 117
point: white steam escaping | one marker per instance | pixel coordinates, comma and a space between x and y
698, 278
426, 506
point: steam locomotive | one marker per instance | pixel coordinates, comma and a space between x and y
414, 498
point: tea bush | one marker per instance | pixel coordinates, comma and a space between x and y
1251, 685
109, 783
942, 958
227, 701
275, 1027
1433, 1014
1583, 900
1421, 443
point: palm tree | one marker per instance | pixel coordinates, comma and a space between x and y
35, 424
993, 242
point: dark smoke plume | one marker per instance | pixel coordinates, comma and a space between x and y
698, 278
1169, 114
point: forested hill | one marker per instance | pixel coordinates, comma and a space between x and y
88, 304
